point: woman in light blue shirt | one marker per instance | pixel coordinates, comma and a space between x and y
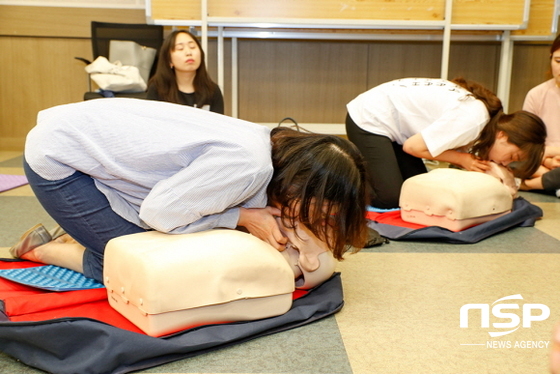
107, 168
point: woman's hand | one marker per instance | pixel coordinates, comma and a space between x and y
472, 163
552, 162
262, 224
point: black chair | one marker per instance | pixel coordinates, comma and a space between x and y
103, 32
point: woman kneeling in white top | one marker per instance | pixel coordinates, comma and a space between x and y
397, 124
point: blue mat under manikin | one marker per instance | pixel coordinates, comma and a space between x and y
51, 278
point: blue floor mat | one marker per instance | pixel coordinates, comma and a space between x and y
51, 278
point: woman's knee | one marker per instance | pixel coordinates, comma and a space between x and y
386, 198
551, 180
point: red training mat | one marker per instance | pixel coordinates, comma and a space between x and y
392, 218
24, 304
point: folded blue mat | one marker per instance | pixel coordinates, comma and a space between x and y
380, 210
51, 278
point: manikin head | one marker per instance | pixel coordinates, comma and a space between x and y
326, 171
310, 258
504, 175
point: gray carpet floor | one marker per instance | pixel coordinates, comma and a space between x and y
402, 302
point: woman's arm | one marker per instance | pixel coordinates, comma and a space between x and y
551, 157
416, 146
532, 184
551, 162
551, 152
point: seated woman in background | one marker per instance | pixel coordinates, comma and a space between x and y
181, 75
399, 123
544, 101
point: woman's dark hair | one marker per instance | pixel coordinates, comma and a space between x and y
523, 129
553, 48
491, 101
322, 178
555, 45
164, 79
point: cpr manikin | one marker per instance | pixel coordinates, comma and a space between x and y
505, 176
165, 283
310, 258
457, 199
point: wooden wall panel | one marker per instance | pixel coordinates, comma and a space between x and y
476, 61
309, 81
388, 61
176, 10
61, 21
428, 10
37, 65
531, 66
481, 12
37, 73
541, 19
277, 79
488, 12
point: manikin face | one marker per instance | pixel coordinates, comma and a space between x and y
186, 56
310, 258
503, 152
555, 66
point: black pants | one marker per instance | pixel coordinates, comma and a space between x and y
551, 180
388, 165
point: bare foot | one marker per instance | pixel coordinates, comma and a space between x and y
65, 238
64, 251
31, 256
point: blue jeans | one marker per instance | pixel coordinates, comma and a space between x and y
83, 212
